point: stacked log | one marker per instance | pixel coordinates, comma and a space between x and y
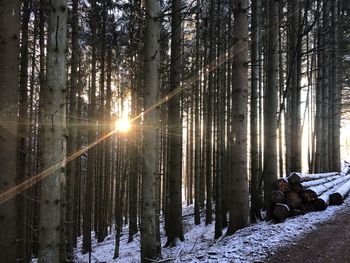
338, 196
302, 193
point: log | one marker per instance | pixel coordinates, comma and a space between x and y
281, 211
320, 181
294, 200
312, 193
277, 196
296, 212
340, 194
323, 200
295, 177
282, 185
307, 207
299, 187
346, 168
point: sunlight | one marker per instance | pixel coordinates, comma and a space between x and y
123, 125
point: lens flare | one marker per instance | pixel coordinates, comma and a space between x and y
123, 125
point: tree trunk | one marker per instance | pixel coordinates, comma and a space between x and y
52, 210
256, 194
175, 131
239, 197
91, 165
72, 129
149, 248
270, 116
10, 14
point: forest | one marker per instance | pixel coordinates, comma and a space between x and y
118, 116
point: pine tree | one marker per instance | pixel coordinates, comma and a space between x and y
9, 75
239, 202
149, 247
51, 228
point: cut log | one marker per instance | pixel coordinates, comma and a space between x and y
282, 185
312, 193
299, 187
340, 194
277, 196
281, 211
346, 168
294, 200
320, 181
323, 200
296, 212
307, 207
295, 177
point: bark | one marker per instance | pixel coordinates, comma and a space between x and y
239, 205
175, 131
91, 165
312, 193
281, 211
270, 117
209, 115
256, 194
294, 200
149, 248
282, 184
294, 84
197, 147
278, 197
325, 87
10, 14
337, 28
72, 129
23, 132
53, 139
340, 194
295, 177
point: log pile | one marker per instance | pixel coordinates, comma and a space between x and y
301, 193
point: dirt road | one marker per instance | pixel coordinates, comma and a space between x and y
330, 242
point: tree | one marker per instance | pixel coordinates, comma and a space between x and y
91, 166
254, 144
270, 110
293, 86
72, 128
175, 131
9, 74
239, 201
54, 138
149, 248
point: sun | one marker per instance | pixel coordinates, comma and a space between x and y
123, 125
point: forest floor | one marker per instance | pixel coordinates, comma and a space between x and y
314, 237
329, 243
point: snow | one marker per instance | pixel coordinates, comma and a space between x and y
251, 244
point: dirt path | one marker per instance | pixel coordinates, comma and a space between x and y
329, 243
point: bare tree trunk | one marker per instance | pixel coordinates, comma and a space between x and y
239, 197
72, 129
270, 116
294, 85
91, 165
325, 86
256, 195
149, 247
175, 131
52, 210
10, 14
197, 146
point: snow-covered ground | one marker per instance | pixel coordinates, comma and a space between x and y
251, 244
